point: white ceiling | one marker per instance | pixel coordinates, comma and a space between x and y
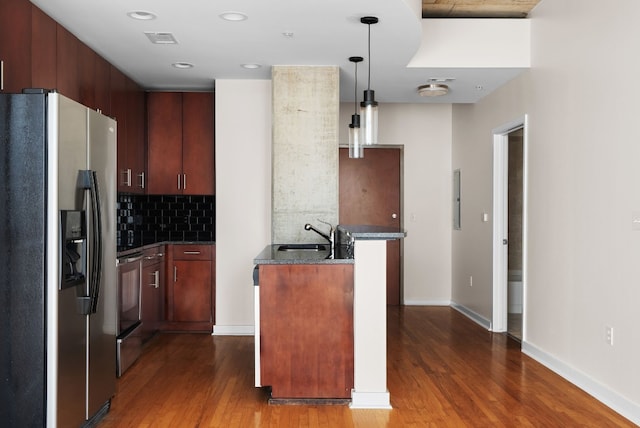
325, 32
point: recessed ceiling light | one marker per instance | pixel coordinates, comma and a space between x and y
251, 66
141, 15
182, 65
233, 16
288, 34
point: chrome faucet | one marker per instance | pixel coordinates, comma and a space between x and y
330, 237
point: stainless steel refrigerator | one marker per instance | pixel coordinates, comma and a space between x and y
57, 261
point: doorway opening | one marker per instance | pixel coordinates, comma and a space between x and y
509, 229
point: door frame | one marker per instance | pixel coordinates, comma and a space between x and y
501, 222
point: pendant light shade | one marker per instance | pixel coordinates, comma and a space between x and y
369, 106
356, 150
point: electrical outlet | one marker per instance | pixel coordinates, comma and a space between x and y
471, 281
609, 335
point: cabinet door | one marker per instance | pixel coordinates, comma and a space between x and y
43, 50
103, 85
197, 143
135, 150
192, 291
15, 43
119, 112
67, 64
164, 119
86, 76
151, 299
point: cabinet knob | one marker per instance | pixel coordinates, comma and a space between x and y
394, 215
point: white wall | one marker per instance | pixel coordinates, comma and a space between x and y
462, 43
243, 196
425, 132
581, 96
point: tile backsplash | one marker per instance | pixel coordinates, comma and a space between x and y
145, 219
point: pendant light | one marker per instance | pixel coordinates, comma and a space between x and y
369, 106
356, 150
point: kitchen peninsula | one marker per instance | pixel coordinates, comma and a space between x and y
321, 319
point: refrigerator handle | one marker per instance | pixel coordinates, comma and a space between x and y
90, 182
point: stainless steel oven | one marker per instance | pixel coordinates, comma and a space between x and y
129, 340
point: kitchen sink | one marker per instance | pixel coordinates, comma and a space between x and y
302, 247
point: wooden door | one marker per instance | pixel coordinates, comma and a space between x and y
370, 194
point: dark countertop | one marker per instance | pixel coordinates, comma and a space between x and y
382, 233
270, 255
129, 251
344, 253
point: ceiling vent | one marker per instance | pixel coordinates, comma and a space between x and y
161, 38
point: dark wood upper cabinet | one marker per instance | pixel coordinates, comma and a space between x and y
86, 75
164, 142
15, 45
119, 112
67, 63
135, 143
43, 50
102, 84
197, 143
180, 143
127, 107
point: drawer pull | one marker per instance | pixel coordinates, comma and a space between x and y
192, 252
156, 279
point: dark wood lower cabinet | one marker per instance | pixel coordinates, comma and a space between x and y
152, 293
306, 330
190, 280
192, 291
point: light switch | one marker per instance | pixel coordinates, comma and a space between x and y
635, 220
485, 217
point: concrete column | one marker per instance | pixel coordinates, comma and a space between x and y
305, 151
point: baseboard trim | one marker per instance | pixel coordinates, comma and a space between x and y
608, 397
233, 330
473, 316
370, 400
427, 303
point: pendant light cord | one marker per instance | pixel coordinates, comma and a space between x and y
369, 57
355, 92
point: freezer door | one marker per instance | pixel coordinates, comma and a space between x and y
68, 155
102, 323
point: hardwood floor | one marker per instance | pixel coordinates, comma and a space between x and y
443, 371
